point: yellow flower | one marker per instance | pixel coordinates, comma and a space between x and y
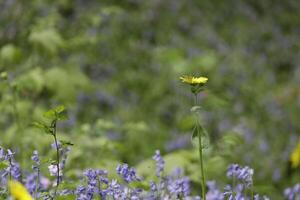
18, 191
194, 80
295, 156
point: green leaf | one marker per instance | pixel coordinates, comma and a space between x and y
50, 114
3, 164
195, 133
42, 126
204, 136
46, 160
57, 113
60, 109
66, 143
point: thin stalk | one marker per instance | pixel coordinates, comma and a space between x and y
252, 193
37, 182
203, 184
57, 155
201, 165
233, 186
10, 164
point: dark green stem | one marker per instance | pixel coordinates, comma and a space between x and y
57, 155
198, 126
37, 183
201, 165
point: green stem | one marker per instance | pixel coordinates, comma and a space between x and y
203, 182
57, 156
233, 186
201, 165
252, 193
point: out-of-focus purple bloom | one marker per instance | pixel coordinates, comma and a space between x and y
180, 187
2, 153
36, 159
179, 142
276, 175
64, 154
153, 186
80, 193
160, 163
65, 192
53, 145
31, 183
92, 182
127, 173
292, 192
10, 154
15, 171
256, 197
53, 170
242, 173
114, 190
213, 192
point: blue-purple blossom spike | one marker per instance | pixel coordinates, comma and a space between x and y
127, 173
160, 163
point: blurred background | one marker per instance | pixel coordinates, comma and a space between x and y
116, 65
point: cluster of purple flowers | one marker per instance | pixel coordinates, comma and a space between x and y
241, 188
243, 174
160, 163
13, 169
95, 183
292, 193
127, 173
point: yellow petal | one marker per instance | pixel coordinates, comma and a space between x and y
194, 80
295, 156
18, 191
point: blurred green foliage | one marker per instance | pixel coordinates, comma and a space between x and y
115, 65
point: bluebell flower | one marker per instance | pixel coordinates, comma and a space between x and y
127, 173
292, 192
15, 171
30, 183
244, 174
53, 145
180, 187
80, 193
213, 192
2, 153
92, 183
160, 163
36, 159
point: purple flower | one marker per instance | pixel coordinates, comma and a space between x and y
36, 159
80, 193
293, 192
241, 173
53, 145
160, 163
180, 187
15, 171
213, 192
30, 183
92, 182
2, 153
53, 170
127, 173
